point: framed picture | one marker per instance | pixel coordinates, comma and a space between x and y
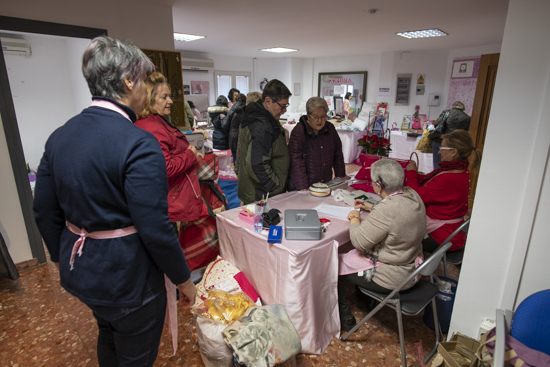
463, 69
338, 83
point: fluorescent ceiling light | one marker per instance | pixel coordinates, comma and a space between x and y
278, 49
423, 34
186, 37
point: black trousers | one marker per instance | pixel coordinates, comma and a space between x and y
343, 305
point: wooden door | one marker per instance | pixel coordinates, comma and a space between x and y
481, 110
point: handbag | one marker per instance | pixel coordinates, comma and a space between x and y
440, 128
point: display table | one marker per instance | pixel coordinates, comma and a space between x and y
402, 146
300, 275
350, 149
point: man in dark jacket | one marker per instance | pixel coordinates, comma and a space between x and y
263, 154
446, 123
233, 121
218, 115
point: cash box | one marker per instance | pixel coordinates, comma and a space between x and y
302, 224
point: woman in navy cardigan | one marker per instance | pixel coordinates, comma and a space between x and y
100, 204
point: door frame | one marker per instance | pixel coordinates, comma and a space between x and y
9, 120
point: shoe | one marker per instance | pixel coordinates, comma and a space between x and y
347, 324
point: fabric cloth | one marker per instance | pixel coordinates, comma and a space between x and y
263, 337
220, 139
190, 115
393, 231
263, 155
324, 153
285, 273
116, 184
445, 197
234, 122
444, 167
184, 200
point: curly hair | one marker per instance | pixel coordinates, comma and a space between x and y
153, 82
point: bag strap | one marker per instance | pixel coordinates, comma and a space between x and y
218, 193
417, 160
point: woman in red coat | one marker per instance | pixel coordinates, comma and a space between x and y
445, 190
184, 195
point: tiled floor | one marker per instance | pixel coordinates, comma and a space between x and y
42, 325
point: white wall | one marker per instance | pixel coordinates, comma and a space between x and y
12, 225
43, 91
510, 193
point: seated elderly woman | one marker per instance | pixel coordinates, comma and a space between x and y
445, 190
315, 148
388, 244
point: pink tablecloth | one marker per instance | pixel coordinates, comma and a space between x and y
349, 139
300, 275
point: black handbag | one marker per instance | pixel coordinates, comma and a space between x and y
438, 131
271, 218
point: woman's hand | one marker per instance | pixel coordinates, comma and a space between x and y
193, 149
361, 204
354, 214
188, 293
411, 166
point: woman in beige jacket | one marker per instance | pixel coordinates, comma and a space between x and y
388, 244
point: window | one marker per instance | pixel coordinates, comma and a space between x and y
225, 80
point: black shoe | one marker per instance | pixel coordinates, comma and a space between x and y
347, 324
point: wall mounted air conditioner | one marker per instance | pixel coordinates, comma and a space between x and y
204, 65
16, 46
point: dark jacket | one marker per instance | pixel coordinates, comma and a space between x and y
263, 155
184, 192
455, 120
100, 172
220, 139
233, 121
324, 153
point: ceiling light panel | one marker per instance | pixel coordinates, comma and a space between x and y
423, 33
186, 37
278, 49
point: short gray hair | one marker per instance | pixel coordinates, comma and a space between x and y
389, 173
107, 62
316, 102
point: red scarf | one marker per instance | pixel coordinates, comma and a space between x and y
445, 166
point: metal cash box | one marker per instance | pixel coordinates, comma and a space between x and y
302, 224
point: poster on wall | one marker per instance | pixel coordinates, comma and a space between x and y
200, 87
463, 86
186, 89
384, 90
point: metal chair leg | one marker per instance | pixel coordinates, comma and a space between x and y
436, 327
401, 331
445, 264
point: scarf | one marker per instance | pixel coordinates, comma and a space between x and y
445, 166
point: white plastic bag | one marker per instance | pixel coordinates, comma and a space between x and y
214, 351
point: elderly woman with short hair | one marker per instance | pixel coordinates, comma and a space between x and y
388, 243
315, 147
102, 182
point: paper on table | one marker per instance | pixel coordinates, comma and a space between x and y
340, 212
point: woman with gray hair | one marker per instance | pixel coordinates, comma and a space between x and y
102, 183
388, 243
315, 148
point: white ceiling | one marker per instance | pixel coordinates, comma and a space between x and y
323, 28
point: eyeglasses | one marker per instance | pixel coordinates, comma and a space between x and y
446, 148
376, 182
318, 118
281, 105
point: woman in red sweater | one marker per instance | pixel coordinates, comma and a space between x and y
445, 190
184, 195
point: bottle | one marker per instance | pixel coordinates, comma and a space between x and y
258, 219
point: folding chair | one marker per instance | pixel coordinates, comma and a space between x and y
413, 300
455, 257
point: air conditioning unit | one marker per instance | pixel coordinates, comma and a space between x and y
16, 46
204, 65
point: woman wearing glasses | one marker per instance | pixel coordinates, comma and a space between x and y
388, 243
315, 148
445, 190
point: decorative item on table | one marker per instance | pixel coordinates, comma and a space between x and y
319, 189
375, 145
324, 224
382, 108
406, 124
377, 123
246, 216
416, 119
394, 127
302, 224
424, 144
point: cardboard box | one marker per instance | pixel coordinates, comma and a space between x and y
458, 352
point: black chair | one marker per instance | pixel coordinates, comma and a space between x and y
455, 257
412, 301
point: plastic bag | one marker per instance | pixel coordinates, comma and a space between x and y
214, 351
223, 307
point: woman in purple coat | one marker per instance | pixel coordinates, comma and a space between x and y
315, 148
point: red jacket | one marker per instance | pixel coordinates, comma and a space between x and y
445, 197
184, 195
